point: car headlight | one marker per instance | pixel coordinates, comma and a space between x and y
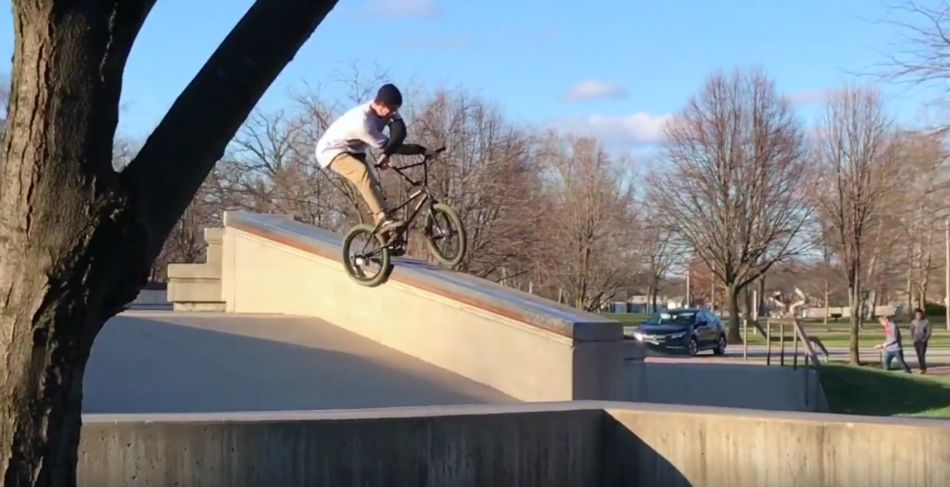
638, 336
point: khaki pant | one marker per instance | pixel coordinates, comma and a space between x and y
356, 172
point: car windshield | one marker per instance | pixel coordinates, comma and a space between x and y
675, 319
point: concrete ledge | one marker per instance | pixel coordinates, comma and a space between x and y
479, 293
579, 443
527, 347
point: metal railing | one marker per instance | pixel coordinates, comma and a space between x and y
811, 365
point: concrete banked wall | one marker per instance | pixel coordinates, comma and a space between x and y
530, 348
585, 444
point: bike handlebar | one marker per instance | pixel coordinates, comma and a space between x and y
424, 160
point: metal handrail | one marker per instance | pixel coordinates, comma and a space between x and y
813, 393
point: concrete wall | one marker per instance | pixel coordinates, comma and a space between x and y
524, 346
197, 287
581, 443
691, 447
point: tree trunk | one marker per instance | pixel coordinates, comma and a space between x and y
928, 264
827, 305
735, 335
61, 213
854, 300
653, 293
747, 293
910, 277
77, 240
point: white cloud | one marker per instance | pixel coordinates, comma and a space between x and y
402, 9
808, 97
593, 90
637, 128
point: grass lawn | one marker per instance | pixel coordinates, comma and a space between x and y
872, 391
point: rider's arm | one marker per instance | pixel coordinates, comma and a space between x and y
373, 136
397, 134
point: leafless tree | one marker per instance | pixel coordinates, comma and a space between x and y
855, 152
925, 55
588, 229
920, 208
737, 185
489, 173
657, 242
77, 238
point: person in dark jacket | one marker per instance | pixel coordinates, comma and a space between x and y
920, 331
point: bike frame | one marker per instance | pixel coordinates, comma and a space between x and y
422, 191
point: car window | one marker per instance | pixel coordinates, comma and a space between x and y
676, 318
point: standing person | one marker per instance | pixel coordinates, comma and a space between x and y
920, 332
892, 346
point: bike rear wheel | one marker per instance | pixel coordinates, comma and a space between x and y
445, 235
366, 256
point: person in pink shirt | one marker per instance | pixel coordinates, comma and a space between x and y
892, 346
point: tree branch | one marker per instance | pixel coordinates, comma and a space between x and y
192, 136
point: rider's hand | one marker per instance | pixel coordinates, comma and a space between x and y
383, 162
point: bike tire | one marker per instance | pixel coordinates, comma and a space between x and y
384, 257
449, 261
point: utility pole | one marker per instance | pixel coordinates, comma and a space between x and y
946, 265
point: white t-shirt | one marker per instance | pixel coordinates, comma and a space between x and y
352, 132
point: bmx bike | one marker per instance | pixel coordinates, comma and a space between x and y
367, 251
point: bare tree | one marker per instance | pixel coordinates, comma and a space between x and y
489, 173
737, 185
854, 151
922, 207
658, 243
925, 57
77, 238
588, 252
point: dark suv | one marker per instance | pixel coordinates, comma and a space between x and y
692, 330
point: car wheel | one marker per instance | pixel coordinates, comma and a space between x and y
720, 346
692, 347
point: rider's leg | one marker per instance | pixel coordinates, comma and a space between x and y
356, 172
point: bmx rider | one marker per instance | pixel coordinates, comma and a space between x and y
342, 148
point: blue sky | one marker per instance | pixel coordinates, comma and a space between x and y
611, 68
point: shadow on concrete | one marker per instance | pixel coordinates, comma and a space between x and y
628, 460
696, 382
144, 365
872, 391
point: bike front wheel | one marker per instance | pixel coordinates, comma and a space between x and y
445, 235
366, 256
